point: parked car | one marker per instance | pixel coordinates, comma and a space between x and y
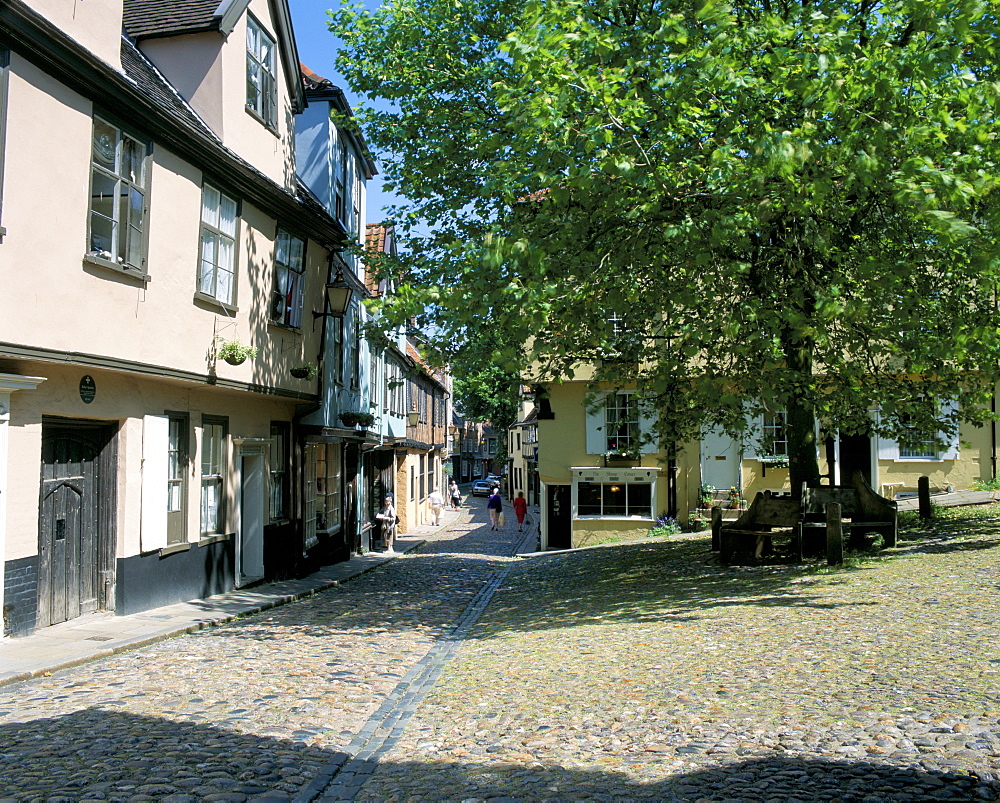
485, 486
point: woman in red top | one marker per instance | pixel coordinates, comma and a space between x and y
520, 508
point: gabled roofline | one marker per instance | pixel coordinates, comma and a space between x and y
228, 14
36, 39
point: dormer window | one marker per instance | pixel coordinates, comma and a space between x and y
262, 84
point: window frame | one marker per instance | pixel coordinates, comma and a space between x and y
605, 487
218, 232
114, 258
279, 493
293, 299
613, 418
182, 423
268, 92
773, 432
218, 479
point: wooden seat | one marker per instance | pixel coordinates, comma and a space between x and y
862, 509
769, 516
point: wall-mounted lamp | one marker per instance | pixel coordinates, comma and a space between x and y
338, 297
413, 418
453, 431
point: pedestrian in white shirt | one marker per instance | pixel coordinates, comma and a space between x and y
436, 501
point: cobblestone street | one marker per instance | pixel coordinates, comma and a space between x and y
641, 671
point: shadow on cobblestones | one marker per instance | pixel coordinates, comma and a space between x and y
776, 778
98, 754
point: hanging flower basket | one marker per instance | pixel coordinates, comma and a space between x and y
235, 353
352, 418
304, 371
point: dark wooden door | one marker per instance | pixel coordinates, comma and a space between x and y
559, 522
73, 558
855, 455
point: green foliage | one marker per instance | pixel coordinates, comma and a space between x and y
665, 526
753, 189
234, 352
986, 485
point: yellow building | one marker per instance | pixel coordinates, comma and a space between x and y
600, 482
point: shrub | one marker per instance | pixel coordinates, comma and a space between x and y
665, 525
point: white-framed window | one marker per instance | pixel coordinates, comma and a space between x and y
615, 500
919, 447
262, 83
217, 273
118, 204
213, 475
621, 423
774, 437
289, 279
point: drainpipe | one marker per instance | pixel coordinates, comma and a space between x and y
993, 437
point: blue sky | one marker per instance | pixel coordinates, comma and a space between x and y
317, 50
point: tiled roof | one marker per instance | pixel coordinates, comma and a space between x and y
152, 18
313, 80
375, 234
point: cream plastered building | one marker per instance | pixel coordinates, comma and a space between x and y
149, 213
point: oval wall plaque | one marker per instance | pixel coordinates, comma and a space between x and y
88, 389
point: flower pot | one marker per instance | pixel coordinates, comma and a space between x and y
300, 373
235, 360
348, 420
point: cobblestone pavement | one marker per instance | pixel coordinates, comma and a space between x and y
650, 672
259, 708
641, 671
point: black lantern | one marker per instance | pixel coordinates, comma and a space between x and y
338, 296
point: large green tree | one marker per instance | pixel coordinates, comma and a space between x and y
740, 206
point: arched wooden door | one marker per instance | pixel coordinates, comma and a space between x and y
75, 569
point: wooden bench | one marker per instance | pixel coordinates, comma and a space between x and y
862, 511
767, 517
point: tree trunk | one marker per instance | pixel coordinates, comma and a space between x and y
800, 422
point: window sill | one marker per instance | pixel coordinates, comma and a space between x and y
114, 267
285, 327
174, 549
205, 540
204, 298
272, 127
590, 517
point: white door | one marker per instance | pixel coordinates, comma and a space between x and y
720, 460
250, 537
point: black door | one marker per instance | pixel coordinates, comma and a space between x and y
855, 455
75, 552
558, 521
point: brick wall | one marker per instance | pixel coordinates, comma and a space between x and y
20, 601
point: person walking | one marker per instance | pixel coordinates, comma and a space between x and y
455, 494
495, 507
387, 519
436, 501
520, 509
